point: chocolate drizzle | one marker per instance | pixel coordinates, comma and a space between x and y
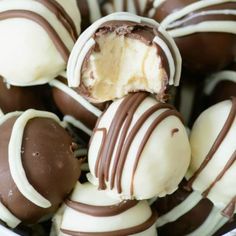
216, 145
30, 15
119, 127
122, 232
101, 211
229, 209
62, 16
230, 162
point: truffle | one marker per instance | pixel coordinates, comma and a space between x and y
206, 202
123, 53
36, 39
76, 109
14, 98
38, 166
93, 212
203, 30
139, 148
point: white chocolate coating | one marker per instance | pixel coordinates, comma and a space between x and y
164, 157
75, 220
218, 175
26, 45
86, 42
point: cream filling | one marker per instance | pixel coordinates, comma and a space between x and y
123, 65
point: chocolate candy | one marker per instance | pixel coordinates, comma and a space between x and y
206, 202
36, 39
38, 166
203, 30
123, 53
139, 148
14, 98
77, 110
91, 212
220, 86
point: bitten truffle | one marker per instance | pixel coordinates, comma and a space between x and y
36, 39
123, 53
92, 212
205, 31
139, 148
38, 166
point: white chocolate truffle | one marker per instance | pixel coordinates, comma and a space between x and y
36, 39
139, 148
93, 212
122, 53
212, 170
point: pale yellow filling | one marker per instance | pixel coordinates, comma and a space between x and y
121, 66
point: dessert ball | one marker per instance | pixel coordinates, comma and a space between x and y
203, 30
123, 53
38, 166
85, 214
139, 148
77, 110
206, 202
14, 98
36, 39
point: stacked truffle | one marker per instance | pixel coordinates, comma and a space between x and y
119, 76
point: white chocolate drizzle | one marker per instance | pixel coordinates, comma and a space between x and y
180, 209
85, 43
212, 223
8, 217
14, 157
70, 92
172, 23
215, 78
1, 113
78, 124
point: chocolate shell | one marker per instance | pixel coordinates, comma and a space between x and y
38, 166
123, 53
203, 30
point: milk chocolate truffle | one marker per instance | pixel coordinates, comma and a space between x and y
220, 86
123, 53
92, 212
205, 31
209, 194
14, 98
77, 110
36, 39
139, 148
38, 166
